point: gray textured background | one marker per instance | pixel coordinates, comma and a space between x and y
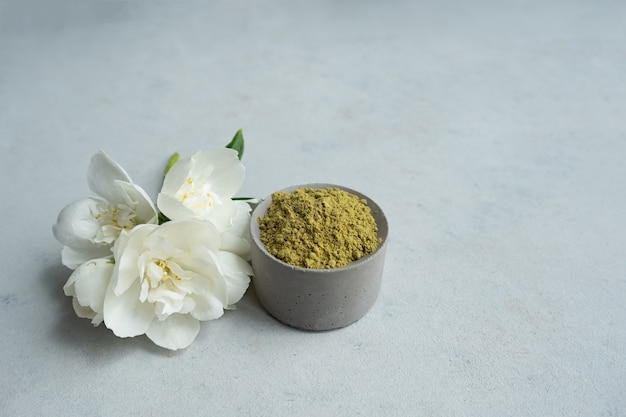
492, 133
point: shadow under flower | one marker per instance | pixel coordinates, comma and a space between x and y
78, 334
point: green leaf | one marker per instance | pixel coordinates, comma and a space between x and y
237, 143
163, 218
171, 162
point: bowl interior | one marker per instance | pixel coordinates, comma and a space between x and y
377, 213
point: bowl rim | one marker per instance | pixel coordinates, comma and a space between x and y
378, 214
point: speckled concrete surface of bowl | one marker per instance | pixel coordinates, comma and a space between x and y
317, 299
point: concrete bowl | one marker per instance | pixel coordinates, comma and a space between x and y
317, 299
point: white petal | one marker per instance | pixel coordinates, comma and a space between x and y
241, 219
235, 244
236, 273
185, 234
208, 278
127, 250
175, 332
218, 169
226, 171
102, 173
176, 177
237, 238
76, 228
74, 257
208, 307
86, 312
91, 286
223, 215
168, 301
81, 311
172, 208
88, 284
201, 261
76, 225
125, 314
134, 196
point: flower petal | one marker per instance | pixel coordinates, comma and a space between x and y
223, 215
85, 312
134, 196
237, 238
76, 228
236, 244
76, 225
207, 307
176, 176
188, 233
222, 168
102, 173
125, 315
172, 208
201, 184
127, 250
74, 257
236, 272
88, 284
175, 332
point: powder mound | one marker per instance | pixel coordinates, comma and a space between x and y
318, 228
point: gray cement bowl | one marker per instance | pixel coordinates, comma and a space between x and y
317, 299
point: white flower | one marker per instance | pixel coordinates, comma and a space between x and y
201, 186
168, 278
237, 237
87, 228
88, 285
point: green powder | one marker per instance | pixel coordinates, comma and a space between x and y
318, 228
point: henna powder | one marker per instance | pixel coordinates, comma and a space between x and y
318, 228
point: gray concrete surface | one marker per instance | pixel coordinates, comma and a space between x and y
492, 133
